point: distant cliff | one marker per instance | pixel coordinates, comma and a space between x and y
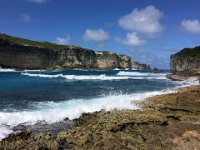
110, 60
26, 54
185, 63
137, 65
187, 60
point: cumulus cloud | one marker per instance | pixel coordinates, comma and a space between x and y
191, 26
38, 1
98, 35
25, 18
62, 40
145, 20
131, 40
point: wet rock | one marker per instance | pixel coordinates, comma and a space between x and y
175, 77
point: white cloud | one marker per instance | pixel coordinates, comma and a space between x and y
98, 35
146, 20
38, 1
25, 18
62, 40
191, 26
131, 40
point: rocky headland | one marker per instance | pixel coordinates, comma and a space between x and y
22, 54
170, 121
184, 64
137, 65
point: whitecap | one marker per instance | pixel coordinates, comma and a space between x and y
7, 70
77, 77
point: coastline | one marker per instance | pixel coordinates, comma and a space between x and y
166, 120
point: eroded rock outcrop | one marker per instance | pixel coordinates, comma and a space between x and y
184, 64
110, 60
137, 65
187, 60
76, 57
124, 62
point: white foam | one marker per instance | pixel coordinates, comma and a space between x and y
52, 112
120, 76
116, 69
190, 81
134, 69
13, 70
7, 70
126, 73
4, 132
27, 70
77, 77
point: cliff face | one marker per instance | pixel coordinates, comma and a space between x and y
178, 64
136, 65
19, 56
109, 60
124, 61
22, 57
187, 60
76, 57
185, 64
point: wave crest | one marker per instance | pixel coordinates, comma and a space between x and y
77, 77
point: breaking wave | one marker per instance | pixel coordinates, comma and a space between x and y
77, 77
51, 112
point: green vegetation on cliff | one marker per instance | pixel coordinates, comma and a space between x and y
26, 42
189, 52
22, 53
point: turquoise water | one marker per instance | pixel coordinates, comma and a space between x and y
29, 97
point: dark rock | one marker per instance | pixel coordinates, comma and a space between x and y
156, 70
175, 77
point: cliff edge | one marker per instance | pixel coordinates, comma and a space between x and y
21, 53
185, 63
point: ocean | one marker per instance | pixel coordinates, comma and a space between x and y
38, 97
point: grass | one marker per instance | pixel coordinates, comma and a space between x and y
27, 42
189, 52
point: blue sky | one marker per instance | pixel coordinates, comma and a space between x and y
147, 30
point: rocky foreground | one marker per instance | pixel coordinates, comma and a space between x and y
170, 121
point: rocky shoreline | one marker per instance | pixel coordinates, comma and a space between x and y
170, 121
182, 76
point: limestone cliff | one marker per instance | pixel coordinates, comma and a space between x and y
75, 57
25, 54
137, 65
107, 60
25, 57
185, 64
187, 60
110, 60
124, 62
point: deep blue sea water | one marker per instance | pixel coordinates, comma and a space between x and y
28, 97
